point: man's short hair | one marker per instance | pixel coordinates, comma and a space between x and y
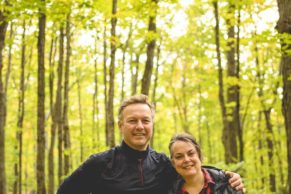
136, 99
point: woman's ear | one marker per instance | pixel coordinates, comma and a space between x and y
172, 162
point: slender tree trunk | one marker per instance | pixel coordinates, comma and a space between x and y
67, 144
51, 156
231, 134
18, 165
40, 175
284, 27
135, 72
58, 105
272, 175
80, 119
269, 127
237, 88
105, 81
146, 79
155, 87
95, 111
220, 72
113, 43
124, 51
3, 28
16, 146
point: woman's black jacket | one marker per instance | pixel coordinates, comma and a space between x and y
221, 185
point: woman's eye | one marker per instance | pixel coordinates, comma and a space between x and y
178, 157
191, 154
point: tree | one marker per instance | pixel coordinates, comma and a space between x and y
41, 102
152, 29
21, 106
3, 28
67, 144
284, 28
113, 42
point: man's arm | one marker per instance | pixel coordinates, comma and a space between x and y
82, 179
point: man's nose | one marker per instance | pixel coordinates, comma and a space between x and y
139, 125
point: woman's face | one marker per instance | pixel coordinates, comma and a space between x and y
185, 158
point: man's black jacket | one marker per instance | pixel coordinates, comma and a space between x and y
121, 170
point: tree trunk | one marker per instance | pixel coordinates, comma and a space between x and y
135, 71
155, 88
267, 113
51, 157
3, 28
124, 50
146, 79
110, 112
40, 175
272, 175
230, 135
220, 72
58, 105
284, 26
105, 81
237, 88
67, 144
18, 165
95, 111
80, 118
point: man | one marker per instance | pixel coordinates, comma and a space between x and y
133, 167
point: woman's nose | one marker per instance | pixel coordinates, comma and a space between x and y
187, 158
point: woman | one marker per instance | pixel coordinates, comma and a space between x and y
194, 179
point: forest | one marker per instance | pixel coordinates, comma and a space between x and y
218, 69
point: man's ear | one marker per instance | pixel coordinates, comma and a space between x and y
119, 125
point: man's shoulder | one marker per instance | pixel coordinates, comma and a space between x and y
102, 156
158, 155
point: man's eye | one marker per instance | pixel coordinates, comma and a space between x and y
131, 121
146, 121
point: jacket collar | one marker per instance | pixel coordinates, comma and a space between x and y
133, 154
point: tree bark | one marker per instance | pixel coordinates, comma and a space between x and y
113, 42
220, 71
155, 88
105, 82
146, 79
51, 156
284, 27
267, 113
21, 110
124, 50
230, 135
237, 87
40, 175
67, 144
58, 105
3, 28
80, 118
95, 111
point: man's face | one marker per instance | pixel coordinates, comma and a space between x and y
137, 126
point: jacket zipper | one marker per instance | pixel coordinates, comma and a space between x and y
140, 164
